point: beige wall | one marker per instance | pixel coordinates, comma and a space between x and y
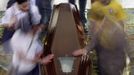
3, 4
127, 3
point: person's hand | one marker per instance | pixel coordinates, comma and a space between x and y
47, 59
83, 53
79, 52
38, 55
12, 22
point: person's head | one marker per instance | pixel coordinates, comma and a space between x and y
105, 2
23, 5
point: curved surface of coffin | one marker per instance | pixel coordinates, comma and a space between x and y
65, 34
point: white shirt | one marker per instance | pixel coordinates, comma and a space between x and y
21, 42
14, 11
33, 2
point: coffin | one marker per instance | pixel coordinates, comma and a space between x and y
65, 34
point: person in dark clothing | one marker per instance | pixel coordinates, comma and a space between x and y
45, 9
82, 6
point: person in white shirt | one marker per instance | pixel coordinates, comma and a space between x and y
26, 47
26, 52
17, 16
45, 9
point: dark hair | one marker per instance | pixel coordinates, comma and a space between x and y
21, 1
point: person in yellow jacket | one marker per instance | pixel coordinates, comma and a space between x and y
108, 38
110, 8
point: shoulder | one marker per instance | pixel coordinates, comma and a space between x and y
117, 6
9, 10
96, 4
33, 8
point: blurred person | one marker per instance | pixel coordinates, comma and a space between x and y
82, 6
26, 46
104, 38
27, 51
45, 9
110, 43
110, 8
13, 19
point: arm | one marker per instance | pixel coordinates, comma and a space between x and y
37, 57
8, 20
35, 15
121, 15
45, 60
90, 46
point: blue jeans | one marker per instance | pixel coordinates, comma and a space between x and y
45, 9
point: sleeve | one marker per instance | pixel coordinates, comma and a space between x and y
7, 17
90, 46
35, 15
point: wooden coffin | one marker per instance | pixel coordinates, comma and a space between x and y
65, 34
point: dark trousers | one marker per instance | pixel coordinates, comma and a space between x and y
82, 5
45, 9
35, 71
